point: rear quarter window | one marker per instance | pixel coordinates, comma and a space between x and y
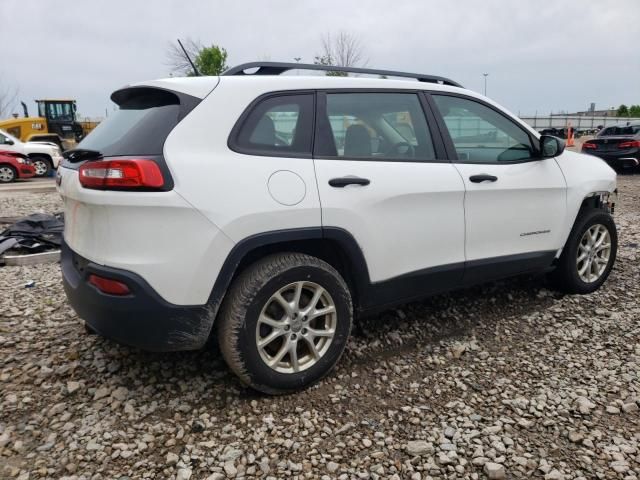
278, 125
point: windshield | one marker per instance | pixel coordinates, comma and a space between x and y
139, 127
61, 111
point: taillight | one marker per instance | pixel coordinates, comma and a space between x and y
121, 174
587, 146
631, 144
107, 285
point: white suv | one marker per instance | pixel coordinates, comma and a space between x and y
45, 156
276, 207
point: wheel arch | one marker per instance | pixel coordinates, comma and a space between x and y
335, 246
46, 156
597, 199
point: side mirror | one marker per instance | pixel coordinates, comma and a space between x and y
551, 146
8, 141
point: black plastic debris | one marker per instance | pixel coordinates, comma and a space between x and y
34, 233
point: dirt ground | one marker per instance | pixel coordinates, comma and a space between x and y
507, 380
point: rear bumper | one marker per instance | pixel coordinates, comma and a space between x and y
621, 160
140, 319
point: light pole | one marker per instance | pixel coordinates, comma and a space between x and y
297, 59
485, 83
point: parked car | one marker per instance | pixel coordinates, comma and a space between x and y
14, 166
618, 145
45, 156
561, 132
275, 208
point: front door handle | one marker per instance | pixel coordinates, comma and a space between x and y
483, 177
344, 181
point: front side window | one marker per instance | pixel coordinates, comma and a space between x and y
482, 135
377, 126
278, 125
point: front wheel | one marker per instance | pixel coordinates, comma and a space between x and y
589, 254
41, 166
7, 174
285, 322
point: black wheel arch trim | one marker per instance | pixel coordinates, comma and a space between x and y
241, 249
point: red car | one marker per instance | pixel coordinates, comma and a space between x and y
14, 165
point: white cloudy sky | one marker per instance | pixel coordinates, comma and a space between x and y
540, 55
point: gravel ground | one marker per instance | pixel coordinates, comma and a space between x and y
508, 380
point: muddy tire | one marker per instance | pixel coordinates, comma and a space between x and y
285, 322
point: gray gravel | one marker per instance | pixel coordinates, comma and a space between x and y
508, 380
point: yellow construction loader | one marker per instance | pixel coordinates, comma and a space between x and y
56, 122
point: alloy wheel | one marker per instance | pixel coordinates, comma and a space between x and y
296, 327
41, 167
593, 255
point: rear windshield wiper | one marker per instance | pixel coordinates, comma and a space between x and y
79, 154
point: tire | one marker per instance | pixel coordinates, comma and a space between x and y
42, 166
253, 294
566, 277
8, 174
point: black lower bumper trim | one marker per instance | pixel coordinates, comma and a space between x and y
141, 319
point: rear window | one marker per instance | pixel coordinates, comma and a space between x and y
141, 124
617, 130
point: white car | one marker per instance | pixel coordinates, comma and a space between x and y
45, 156
273, 208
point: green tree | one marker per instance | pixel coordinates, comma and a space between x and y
634, 111
623, 111
211, 60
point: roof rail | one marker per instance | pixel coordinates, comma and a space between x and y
276, 68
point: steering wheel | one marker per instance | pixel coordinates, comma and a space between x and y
395, 148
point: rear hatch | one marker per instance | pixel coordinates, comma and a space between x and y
144, 227
138, 129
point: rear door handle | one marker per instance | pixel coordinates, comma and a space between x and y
483, 177
344, 181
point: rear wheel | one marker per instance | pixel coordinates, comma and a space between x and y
41, 165
589, 255
7, 174
285, 322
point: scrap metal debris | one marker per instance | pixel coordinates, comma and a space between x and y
32, 239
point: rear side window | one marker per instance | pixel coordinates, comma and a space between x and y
141, 124
276, 126
382, 126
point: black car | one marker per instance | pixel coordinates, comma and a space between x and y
618, 145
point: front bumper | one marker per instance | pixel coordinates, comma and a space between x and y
26, 171
140, 319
